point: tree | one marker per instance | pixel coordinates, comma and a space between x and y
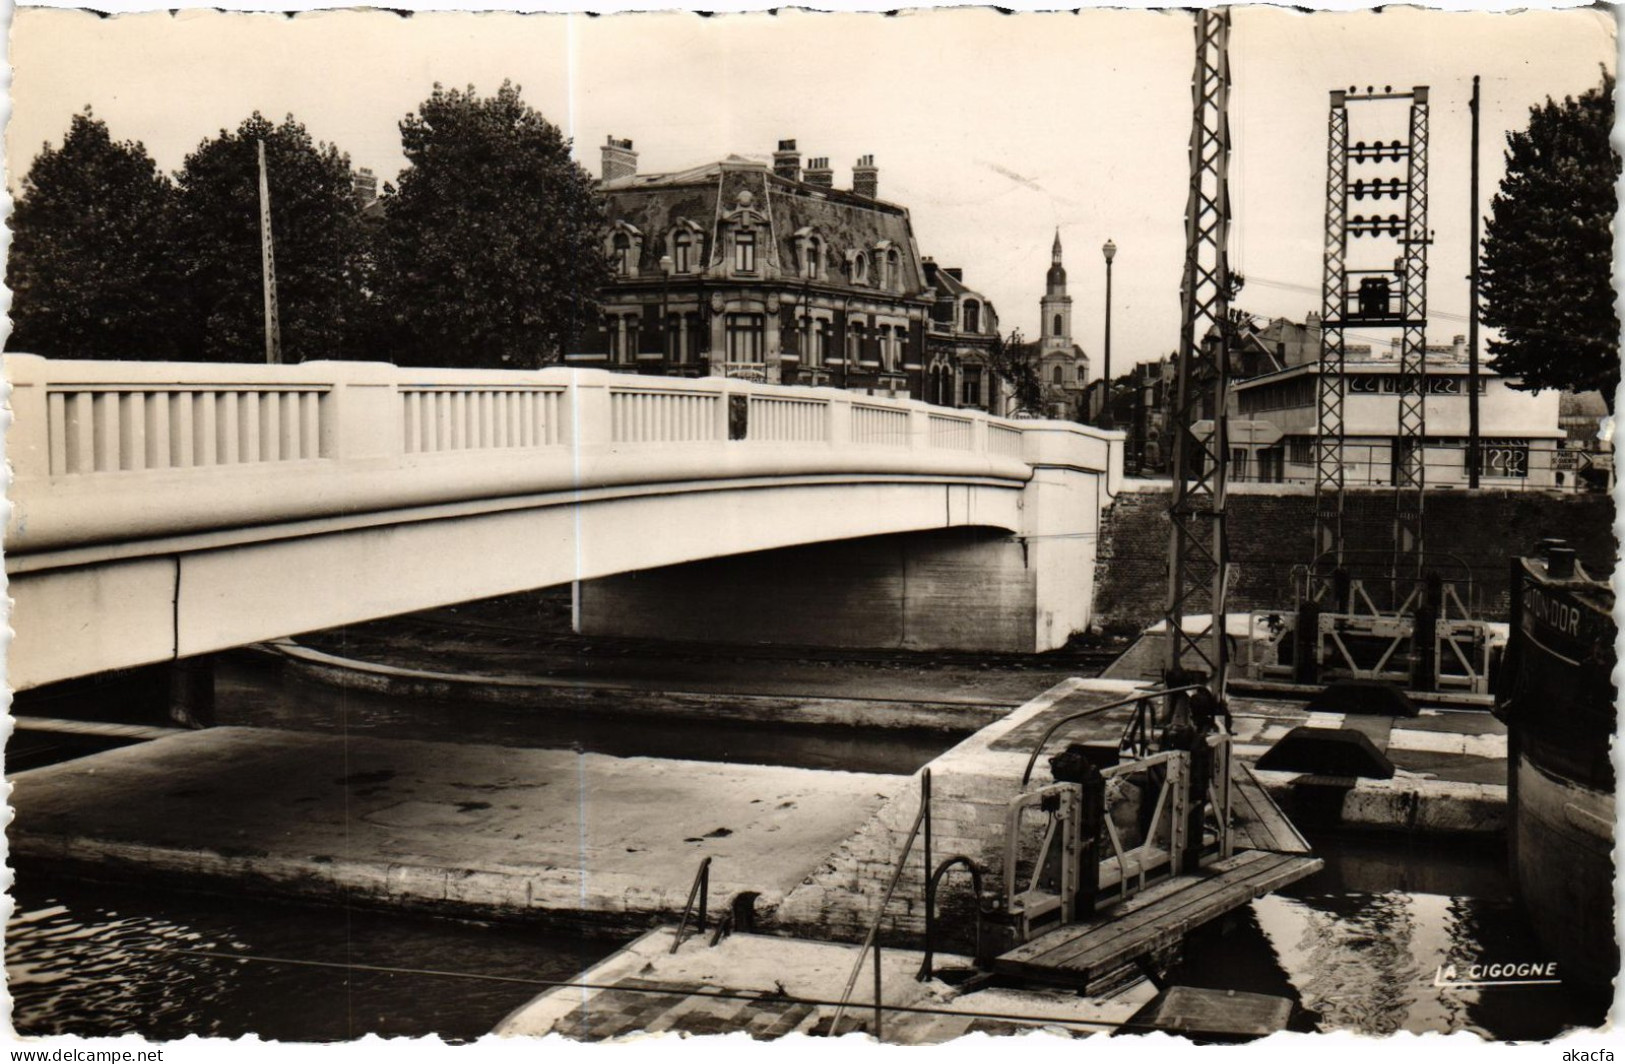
1548, 252
90, 271
316, 231
491, 252
1012, 361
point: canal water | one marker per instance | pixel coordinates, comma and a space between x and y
1356, 947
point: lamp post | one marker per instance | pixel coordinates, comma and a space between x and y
665, 312
1105, 422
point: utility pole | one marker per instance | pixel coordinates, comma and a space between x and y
273, 329
1475, 457
1105, 422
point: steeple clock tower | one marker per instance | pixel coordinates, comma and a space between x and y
1056, 307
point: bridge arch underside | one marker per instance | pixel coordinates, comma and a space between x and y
972, 588
89, 609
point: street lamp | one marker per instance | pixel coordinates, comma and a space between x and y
665, 311
1105, 422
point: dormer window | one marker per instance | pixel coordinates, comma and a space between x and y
813, 253
860, 268
973, 316
745, 252
623, 246
685, 245
894, 270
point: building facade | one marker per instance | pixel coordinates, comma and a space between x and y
1274, 420
961, 336
767, 273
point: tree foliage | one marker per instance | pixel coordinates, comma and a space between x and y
1014, 361
1545, 274
491, 250
90, 258
316, 232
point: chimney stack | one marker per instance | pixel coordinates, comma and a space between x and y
865, 177
364, 186
619, 159
1458, 348
819, 173
787, 161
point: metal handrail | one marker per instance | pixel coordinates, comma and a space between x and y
975, 870
1038, 748
872, 940
700, 887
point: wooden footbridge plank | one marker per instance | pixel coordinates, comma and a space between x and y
1258, 823
1077, 954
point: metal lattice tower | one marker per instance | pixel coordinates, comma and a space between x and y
1392, 296
1410, 472
273, 327
1330, 388
1198, 560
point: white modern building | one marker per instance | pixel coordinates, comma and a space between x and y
1274, 420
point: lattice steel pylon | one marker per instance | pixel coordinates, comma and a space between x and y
1198, 558
1330, 386
1410, 471
1389, 297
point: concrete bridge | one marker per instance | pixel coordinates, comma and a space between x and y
165, 510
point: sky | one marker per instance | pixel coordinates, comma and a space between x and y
994, 130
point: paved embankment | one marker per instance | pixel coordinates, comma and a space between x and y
463, 828
485, 829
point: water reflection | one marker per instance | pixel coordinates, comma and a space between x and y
91, 960
1366, 960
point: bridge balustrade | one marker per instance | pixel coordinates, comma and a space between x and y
1004, 440
879, 426
451, 418
954, 433
664, 415
121, 451
788, 420
103, 427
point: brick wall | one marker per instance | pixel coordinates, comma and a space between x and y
1271, 533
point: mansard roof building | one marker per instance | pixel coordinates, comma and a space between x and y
742, 269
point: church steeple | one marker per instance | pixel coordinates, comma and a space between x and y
1055, 282
1055, 309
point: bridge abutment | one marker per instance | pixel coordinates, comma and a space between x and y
947, 589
